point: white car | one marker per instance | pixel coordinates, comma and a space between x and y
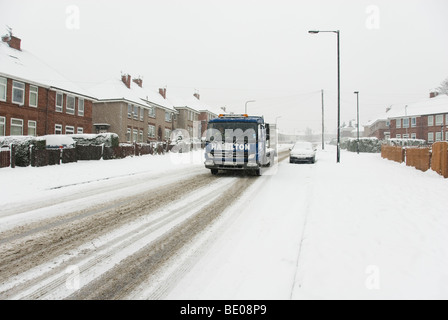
302, 152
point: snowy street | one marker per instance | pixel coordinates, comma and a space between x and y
163, 227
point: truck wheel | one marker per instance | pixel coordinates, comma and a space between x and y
257, 172
214, 171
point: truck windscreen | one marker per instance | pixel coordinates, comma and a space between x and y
232, 130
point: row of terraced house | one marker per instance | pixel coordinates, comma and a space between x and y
36, 100
424, 120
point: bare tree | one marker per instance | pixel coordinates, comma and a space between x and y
443, 88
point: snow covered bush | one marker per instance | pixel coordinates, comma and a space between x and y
366, 145
23, 145
405, 142
108, 139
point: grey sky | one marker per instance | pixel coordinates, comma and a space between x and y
231, 51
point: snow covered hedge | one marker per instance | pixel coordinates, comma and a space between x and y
108, 139
22, 146
366, 145
405, 142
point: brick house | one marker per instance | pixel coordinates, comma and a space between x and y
35, 100
426, 120
377, 128
193, 114
134, 113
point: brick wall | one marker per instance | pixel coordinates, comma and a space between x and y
44, 114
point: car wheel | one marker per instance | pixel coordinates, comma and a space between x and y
214, 171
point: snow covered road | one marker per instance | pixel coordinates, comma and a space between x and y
162, 227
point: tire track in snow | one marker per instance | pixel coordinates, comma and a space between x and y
35, 244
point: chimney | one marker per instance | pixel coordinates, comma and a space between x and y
126, 78
139, 82
433, 94
162, 92
196, 95
12, 41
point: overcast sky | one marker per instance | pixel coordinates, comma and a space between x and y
230, 51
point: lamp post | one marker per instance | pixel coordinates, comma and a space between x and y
338, 156
357, 118
246, 105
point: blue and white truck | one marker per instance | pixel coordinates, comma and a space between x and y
239, 142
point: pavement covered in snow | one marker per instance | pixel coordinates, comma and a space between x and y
366, 228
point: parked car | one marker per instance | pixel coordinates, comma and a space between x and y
302, 152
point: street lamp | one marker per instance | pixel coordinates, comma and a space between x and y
338, 157
357, 115
246, 105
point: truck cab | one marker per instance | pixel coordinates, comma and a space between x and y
238, 142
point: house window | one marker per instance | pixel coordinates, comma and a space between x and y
398, 123
129, 112
18, 92
3, 87
135, 112
406, 123
128, 135
142, 111
80, 107
413, 136
80, 130
446, 135
430, 121
387, 123
413, 122
141, 135
152, 112
167, 134
32, 128
16, 127
151, 131
446, 119
2, 126
59, 102
69, 130
57, 129
438, 136
135, 135
70, 105
439, 119
33, 96
167, 116
430, 137
405, 136
398, 136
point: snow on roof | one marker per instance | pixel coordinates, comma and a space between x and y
24, 66
191, 102
115, 89
436, 105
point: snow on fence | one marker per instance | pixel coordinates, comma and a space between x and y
434, 157
419, 158
396, 154
47, 150
439, 161
5, 157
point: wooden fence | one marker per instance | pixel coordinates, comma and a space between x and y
422, 158
393, 153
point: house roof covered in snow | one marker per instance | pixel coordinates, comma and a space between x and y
116, 90
23, 66
436, 105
